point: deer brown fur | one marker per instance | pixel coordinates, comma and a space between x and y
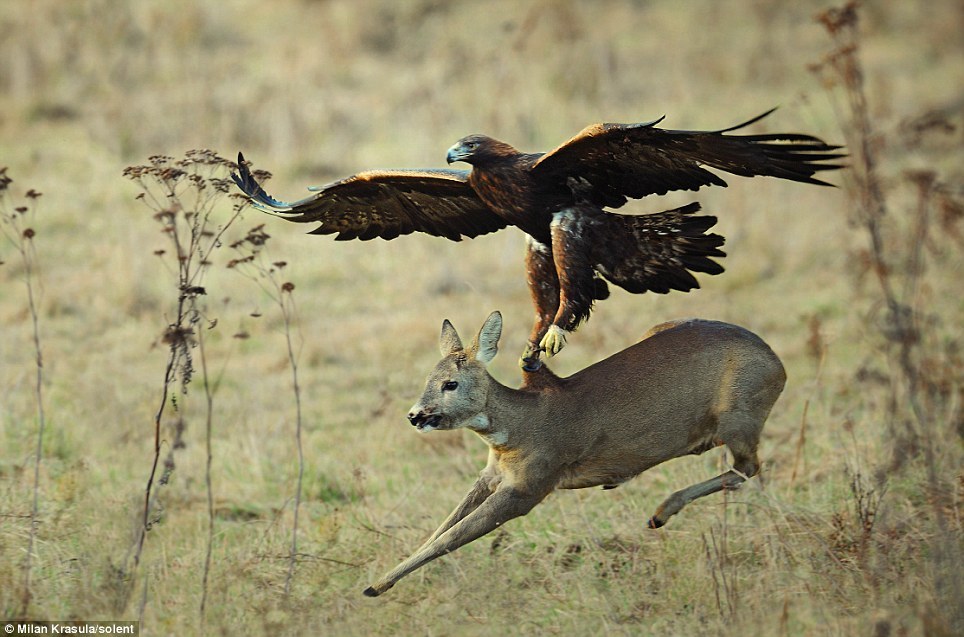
687, 387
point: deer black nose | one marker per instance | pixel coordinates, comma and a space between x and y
418, 414
420, 419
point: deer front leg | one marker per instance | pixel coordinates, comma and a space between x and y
503, 505
544, 290
485, 486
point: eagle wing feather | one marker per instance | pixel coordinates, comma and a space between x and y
631, 161
384, 204
656, 252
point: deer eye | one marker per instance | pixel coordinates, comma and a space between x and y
449, 385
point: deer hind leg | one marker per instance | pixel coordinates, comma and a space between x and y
741, 435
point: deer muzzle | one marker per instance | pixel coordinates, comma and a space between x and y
420, 420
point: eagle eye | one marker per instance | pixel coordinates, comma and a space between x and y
449, 385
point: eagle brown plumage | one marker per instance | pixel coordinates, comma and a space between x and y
559, 199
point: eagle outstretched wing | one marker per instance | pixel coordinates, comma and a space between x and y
384, 204
630, 161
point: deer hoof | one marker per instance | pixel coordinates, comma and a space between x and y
554, 340
654, 523
370, 592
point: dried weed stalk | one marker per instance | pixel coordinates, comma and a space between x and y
16, 229
182, 195
253, 264
723, 571
897, 243
923, 378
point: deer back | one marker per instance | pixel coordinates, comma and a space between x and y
658, 399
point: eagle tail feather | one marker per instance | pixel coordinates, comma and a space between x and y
656, 252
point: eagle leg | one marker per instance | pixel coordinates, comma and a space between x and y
544, 290
575, 274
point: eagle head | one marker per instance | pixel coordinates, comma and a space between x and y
476, 149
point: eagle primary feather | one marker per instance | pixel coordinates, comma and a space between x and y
558, 199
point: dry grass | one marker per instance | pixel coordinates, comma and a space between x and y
820, 544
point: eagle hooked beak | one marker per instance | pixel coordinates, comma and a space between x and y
455, 153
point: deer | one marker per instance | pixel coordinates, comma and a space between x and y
688, 386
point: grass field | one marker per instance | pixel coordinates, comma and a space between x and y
854, 526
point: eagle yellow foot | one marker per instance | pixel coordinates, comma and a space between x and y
554, 340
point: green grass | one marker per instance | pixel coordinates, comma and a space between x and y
314, 91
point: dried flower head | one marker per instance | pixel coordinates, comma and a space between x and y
5, 180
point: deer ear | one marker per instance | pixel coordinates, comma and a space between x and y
449, 340
486, 344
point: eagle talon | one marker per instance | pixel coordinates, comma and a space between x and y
554, 340
530, 364
529, 361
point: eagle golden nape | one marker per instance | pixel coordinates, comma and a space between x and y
640, 253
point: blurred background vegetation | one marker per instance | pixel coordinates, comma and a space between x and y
851, 529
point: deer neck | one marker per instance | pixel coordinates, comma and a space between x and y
506, 411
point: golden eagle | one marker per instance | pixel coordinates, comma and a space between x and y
559, 199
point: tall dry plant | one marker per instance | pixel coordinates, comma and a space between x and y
897, 241
924, 375
253, 264
182, 195
16, 228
